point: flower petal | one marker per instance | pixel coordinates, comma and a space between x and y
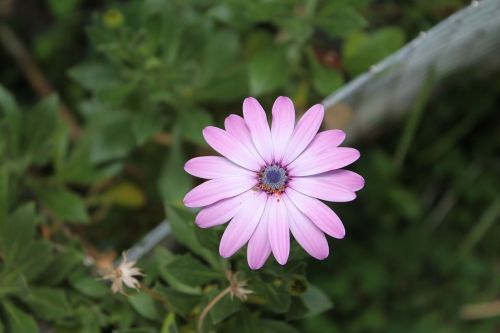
319, 213
259, 248
279, 233
282, 125
305, 232
317, 188
226, 144
220, 212
210, 167
243, 225
217, 189
255, 118
323, 141
331, 159
236, 126
341, 177
304, 133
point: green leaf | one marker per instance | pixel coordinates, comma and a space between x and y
162, 258
274, 326
4, 185
19, 321
36, 259
169, 325
124, 194
361, 51
192, 122
183, 229
174, 183
61, 266
145, 305
325, 80
12, 117
111, 135
191, 271
316, 301
277, 298
339, 20
183, 304
89, 286
48, 304
95, 76
268, 70
39, 124
18, 234
224, 308
63, 203
145, 125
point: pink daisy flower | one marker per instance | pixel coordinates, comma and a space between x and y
270, 182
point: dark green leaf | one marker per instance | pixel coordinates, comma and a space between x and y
18, 234
274, 326
145, 125
191, 271
224, 308
316, 301
19, 321
182, 303
174, 183
61, 266
39, 125
192, 122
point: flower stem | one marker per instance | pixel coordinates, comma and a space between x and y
209, 307
157, 296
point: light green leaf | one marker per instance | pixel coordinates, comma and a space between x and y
89, 286
145, 305
325, 80
339, 20
49, 304
95, 76
169, 325
268, 70
63, 203
362, 51
124, 194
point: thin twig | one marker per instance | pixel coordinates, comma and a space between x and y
14, 46
209, 307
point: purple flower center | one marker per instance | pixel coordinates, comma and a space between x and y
273, 179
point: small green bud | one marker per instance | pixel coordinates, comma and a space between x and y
113, 19
297, 285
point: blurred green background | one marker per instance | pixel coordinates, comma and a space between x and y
101, 103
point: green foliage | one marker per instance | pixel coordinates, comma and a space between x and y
149, 77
